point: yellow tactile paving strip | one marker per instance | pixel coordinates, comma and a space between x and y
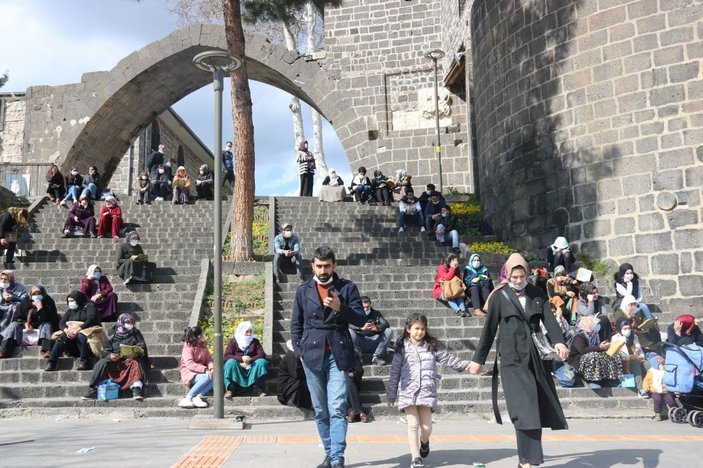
213, 451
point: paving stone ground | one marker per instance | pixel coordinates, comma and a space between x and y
455, 443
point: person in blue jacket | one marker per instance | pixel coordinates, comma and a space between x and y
322, 311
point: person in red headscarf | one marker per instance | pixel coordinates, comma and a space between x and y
684, 331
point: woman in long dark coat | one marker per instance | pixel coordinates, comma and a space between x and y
518, 307
81, 216
132, 264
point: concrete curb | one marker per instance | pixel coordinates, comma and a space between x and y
200, 293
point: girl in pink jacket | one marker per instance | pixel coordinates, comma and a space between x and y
196, 368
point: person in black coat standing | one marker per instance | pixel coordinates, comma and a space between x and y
518, 307
322, 311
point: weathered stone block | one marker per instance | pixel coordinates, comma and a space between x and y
651, 243
646, 203
650, 222
636, 184
595, 249
666, 264
624, 226
675, 158
686, 262
598, 228
683, 72
691, 285
621, 246
667, 95
688, 239
668, 180
662, 288
679, 218
698, 260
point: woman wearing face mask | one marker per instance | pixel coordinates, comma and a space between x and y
478, 282
162, 183
56, 184
128, 370
631, 353
381, 187
81, 219
684, 331
306, 168
91, 183
35, 315
74, 184
590, 303
332, 189
110, 219
445, 272
559, 292
518, 308
11, 295
80, 320
132, 262
99, 290
559, 254
204, 183
627, 283
143, 186
181, 186
361, 186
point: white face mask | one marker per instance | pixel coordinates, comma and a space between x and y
134, 243
628, 277
367, 311
518, 287
161, 171
5, 285
287, 234
128, 326
626, 333
476, 264
144, 177
444, 214
73, 305
75, 173
38, 298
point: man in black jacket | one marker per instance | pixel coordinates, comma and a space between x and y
82, 312
374, 336
446, 227
322, 311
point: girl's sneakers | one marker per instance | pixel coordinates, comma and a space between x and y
424, 449
199, 402
186, 403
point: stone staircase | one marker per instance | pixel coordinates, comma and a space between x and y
177, 238
396, 270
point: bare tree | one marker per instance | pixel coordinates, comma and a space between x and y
3, 78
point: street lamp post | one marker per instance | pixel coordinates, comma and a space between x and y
435, 55
218, 62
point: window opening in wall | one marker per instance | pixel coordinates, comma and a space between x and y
181, 156
155, 135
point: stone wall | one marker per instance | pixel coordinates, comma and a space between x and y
590, 125
377, 48
11, 130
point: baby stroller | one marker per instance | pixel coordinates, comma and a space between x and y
683, 374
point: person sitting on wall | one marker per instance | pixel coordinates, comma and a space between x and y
401, 184
332, 189
129, 368
361, 186
97, 287
91, 183
56, 184
286, 245
374, 336
161, 183
204, 183
559, 253
181, 186
110, 219
433, 212
196, 368
446, 227
409, 207
478, 284
381, 187
74, 186
81, 219
245, 362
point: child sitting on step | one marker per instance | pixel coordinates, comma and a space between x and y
414, 369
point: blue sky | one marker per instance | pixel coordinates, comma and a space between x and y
49, 42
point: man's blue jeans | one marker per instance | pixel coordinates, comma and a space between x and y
328, 391
453, 234
417, 217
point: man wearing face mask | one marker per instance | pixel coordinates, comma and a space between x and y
322, 311
433, 212
156, 159
425, 196
204, 183
446, 226
81, 315
132, 261
374, 336
228, 165
409, 207
532, 401
161, 183
287, 246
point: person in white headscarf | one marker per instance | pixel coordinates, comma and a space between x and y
332, 188
245, 362
559, 254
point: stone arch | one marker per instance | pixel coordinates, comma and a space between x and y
120, 103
